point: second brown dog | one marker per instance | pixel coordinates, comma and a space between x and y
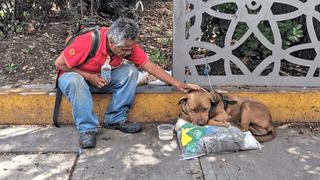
212, 108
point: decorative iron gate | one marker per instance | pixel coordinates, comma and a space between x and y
247, 42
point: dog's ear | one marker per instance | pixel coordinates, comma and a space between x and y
183, 103
214, 103
183, 100
214, 100
231, 102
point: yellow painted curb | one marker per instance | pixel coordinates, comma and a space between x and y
36, 107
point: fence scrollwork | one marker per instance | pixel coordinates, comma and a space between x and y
251, 42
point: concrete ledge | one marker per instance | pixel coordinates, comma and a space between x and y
154, 104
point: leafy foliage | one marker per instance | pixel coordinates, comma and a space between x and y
214, 30
291, 31
27, 50
157, 57
10, 68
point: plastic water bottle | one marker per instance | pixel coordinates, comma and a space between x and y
106, 72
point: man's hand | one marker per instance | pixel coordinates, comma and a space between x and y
187, 87
96, 80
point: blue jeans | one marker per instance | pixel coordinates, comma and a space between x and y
123, 87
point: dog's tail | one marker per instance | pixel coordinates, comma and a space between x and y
267, 137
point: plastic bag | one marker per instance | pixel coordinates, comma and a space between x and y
189, 137
223, 140
196, 141
249, 142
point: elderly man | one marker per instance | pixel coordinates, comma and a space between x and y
79, 77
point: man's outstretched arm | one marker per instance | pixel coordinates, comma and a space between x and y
159, 73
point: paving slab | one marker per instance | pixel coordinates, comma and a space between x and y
41, 152
291, 155
36, 166
135, 156
38, 139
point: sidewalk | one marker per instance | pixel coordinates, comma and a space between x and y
44, 152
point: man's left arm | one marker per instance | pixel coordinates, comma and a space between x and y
140, 58
159, 73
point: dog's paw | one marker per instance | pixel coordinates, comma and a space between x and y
227, 124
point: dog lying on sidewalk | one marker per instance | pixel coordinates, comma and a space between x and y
212, 108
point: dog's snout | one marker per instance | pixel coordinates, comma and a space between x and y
200, 121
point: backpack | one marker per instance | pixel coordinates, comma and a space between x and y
95, 34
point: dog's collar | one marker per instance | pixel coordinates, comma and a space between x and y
226, 101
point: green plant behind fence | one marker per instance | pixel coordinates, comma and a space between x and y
291, 32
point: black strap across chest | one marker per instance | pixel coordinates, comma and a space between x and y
95, 34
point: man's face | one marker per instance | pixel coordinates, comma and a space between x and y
123, 50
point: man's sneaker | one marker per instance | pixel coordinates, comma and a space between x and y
88, 139
126, 127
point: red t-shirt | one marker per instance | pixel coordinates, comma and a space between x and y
76, 53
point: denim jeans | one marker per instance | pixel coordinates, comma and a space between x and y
123, 86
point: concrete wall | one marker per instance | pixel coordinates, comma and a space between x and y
36, 106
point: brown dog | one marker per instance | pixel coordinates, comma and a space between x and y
212, 108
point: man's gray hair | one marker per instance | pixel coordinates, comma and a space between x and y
123, 29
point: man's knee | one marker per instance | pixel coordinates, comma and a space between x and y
73, 79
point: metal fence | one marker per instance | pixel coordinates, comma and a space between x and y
247, 42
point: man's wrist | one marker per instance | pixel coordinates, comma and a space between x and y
177, 84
